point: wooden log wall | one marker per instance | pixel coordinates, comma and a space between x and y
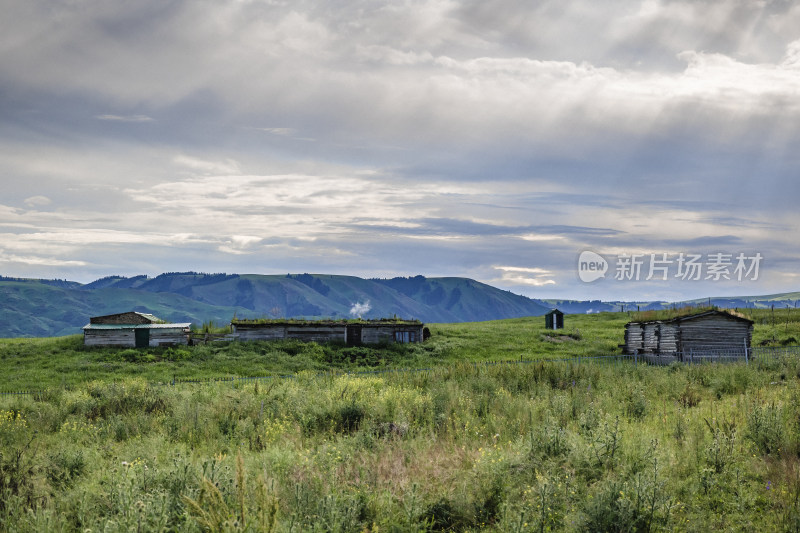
667, 338
650, 337
715, 333
633, 337
711, 333
323, 333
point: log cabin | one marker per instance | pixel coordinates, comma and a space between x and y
134, 330
350, 332
704, 334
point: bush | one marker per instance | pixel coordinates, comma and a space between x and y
690, 396
18, 472
443, 515
635, 404
65, 466
349, 418
765, 428
731, 379
549, 441
635, 504
107, 399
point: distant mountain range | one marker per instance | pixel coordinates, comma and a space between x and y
41, 308
782, 300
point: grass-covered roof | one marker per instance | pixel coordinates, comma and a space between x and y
324, 322
663, 315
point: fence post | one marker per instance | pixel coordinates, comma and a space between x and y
746, 360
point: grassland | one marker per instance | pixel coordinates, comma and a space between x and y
546, 446
36, 363
33, 364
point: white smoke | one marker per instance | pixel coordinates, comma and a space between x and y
359, 309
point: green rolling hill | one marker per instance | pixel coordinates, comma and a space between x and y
40, 308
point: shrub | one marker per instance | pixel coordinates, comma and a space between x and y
765, 428
636, 504
65, 466
130, 355
690, 396
730, 379
122, 398
18, 470
549, 441
721, 451
349, 418
635, 404
443, 515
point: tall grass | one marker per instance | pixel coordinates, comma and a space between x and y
537, 447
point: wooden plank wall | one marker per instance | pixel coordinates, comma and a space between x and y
109, 337
262, 333
127, 337
316, 334
163, 337
378, 334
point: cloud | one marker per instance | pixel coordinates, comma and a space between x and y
228, 166
127, 118
536, 277
38, 201
240, 244
429, 137
39, 261
337, 76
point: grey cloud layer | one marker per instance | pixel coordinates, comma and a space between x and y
493, 139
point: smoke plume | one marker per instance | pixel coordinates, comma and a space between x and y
359, 309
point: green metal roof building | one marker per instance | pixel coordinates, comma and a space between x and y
134, 330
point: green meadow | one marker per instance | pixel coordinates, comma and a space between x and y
452, 446
35, 364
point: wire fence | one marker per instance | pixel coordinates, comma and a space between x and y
760, 356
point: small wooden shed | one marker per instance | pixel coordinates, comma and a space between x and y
702, 334
134, 330
554, 320
350, 332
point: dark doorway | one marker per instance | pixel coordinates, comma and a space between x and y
353, 335
142, 337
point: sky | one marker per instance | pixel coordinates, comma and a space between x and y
496, 140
